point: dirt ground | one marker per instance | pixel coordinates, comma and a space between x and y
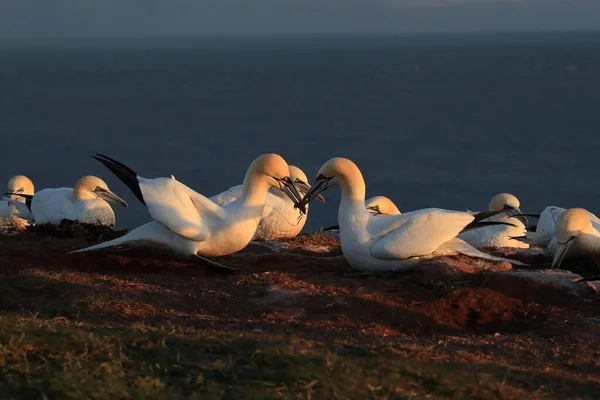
467, 310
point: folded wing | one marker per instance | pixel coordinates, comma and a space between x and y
181, 209
415, 234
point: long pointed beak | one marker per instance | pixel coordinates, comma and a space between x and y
317, 187
521, 217
288, 187
561, 252
110, 197
374, 210
305, 187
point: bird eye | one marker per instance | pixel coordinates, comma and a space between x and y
97, 188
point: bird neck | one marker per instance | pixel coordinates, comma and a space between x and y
353, 196
254, 189
353, 188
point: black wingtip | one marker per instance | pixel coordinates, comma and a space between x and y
28, 198
486, 214
331, 228
519, 238
483, 224
124, 173
524, 215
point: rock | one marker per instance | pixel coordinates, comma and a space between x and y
553, 281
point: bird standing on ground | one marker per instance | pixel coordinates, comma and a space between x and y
190, 224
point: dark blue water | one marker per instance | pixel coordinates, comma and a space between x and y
431, 120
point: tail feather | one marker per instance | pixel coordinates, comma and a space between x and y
457, 245
124, 173
152, 235
105, 245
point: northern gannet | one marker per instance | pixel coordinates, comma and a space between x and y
378, 243
10, 217
500, 235
545, 233
87, 203
280, 219
576, 236
190, 224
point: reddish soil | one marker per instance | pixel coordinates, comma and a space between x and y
312, 295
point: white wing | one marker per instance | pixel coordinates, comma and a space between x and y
545, 226
416, 233
228, 196
235, 192
15, 210
181, 209
497, 235
50, 206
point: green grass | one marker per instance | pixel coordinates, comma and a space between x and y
53, 346
61, 359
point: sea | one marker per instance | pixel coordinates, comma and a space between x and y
435, 120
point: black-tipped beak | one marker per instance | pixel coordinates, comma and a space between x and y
110, 197
374, 210
523, 217
305, 187
317, 187
287, 186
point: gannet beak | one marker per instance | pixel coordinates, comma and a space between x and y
561, 252
522, 216
110, 197
374, 210
305, 187
287, 186
317, 187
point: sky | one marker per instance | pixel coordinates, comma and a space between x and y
144, 18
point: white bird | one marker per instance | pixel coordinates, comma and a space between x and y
377, 243
10, 217
545, 233
280, 219
381, 205
492, 235
190, 224
576, 236
87, 203
376, 205
500, 235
